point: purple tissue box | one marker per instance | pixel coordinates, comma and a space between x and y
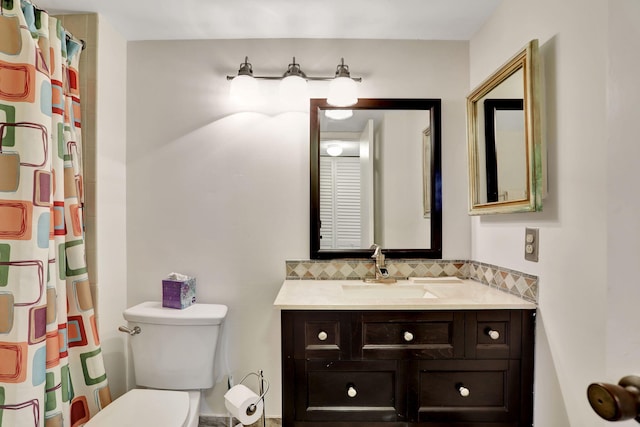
178, 293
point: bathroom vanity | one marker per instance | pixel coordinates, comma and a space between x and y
459, 354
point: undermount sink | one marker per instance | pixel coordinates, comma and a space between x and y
413, 288
387, 291
435, 280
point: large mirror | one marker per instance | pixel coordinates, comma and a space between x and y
506, 152
376, 178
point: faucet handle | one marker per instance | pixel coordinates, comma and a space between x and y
384, 272
376, 250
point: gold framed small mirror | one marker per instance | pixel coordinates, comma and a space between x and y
506, 150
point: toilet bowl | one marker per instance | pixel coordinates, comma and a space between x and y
173, 358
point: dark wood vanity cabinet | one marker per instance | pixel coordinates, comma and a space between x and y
464, 368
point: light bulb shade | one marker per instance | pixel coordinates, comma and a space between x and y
343, 92
294, 91
244, 90
338, 114
334, 150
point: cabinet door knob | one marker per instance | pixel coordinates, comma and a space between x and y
493, 334
464, 392
408, 336
351, 391
322, 335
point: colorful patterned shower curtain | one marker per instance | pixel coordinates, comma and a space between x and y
51, 367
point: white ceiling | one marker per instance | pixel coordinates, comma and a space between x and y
242, 19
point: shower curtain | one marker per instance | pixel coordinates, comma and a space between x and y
51, 367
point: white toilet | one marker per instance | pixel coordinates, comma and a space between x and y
173, 355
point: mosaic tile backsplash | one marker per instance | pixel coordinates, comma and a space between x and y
514, 282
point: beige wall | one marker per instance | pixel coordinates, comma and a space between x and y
589, 227
111, 198
223, 195
623, 221
103, 97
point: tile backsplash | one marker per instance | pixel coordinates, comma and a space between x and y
511, 281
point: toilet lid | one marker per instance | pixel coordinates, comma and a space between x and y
145, 407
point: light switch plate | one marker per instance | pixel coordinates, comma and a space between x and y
531, 243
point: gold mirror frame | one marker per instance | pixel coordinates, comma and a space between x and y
527, 61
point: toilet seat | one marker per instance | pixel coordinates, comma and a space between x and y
145, 407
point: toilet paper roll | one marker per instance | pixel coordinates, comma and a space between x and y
238, 401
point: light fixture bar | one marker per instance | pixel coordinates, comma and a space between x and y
294, 69
356, 79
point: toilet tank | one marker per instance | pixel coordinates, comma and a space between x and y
175, 349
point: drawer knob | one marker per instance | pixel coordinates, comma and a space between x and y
322, 335
493, 334
351, 391
408, 336
464, 392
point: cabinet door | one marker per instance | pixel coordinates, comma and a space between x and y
409, 335
349, 391
493, 334
466, 391
322, 335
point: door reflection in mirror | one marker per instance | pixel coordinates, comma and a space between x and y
506, 155
374, 190
346, 188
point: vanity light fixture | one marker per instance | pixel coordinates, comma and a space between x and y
293, 84
343, 91
244, 88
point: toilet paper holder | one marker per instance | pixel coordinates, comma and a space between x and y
616, 402
262, 390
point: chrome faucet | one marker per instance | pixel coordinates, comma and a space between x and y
382, 273
381, 270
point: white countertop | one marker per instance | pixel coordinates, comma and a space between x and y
439, 294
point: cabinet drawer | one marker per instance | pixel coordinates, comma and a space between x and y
411, 335
466, 391
349, 391
322, 335
493, 334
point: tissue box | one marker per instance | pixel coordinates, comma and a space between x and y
178, 293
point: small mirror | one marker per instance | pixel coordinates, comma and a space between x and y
375, 178
506, 171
